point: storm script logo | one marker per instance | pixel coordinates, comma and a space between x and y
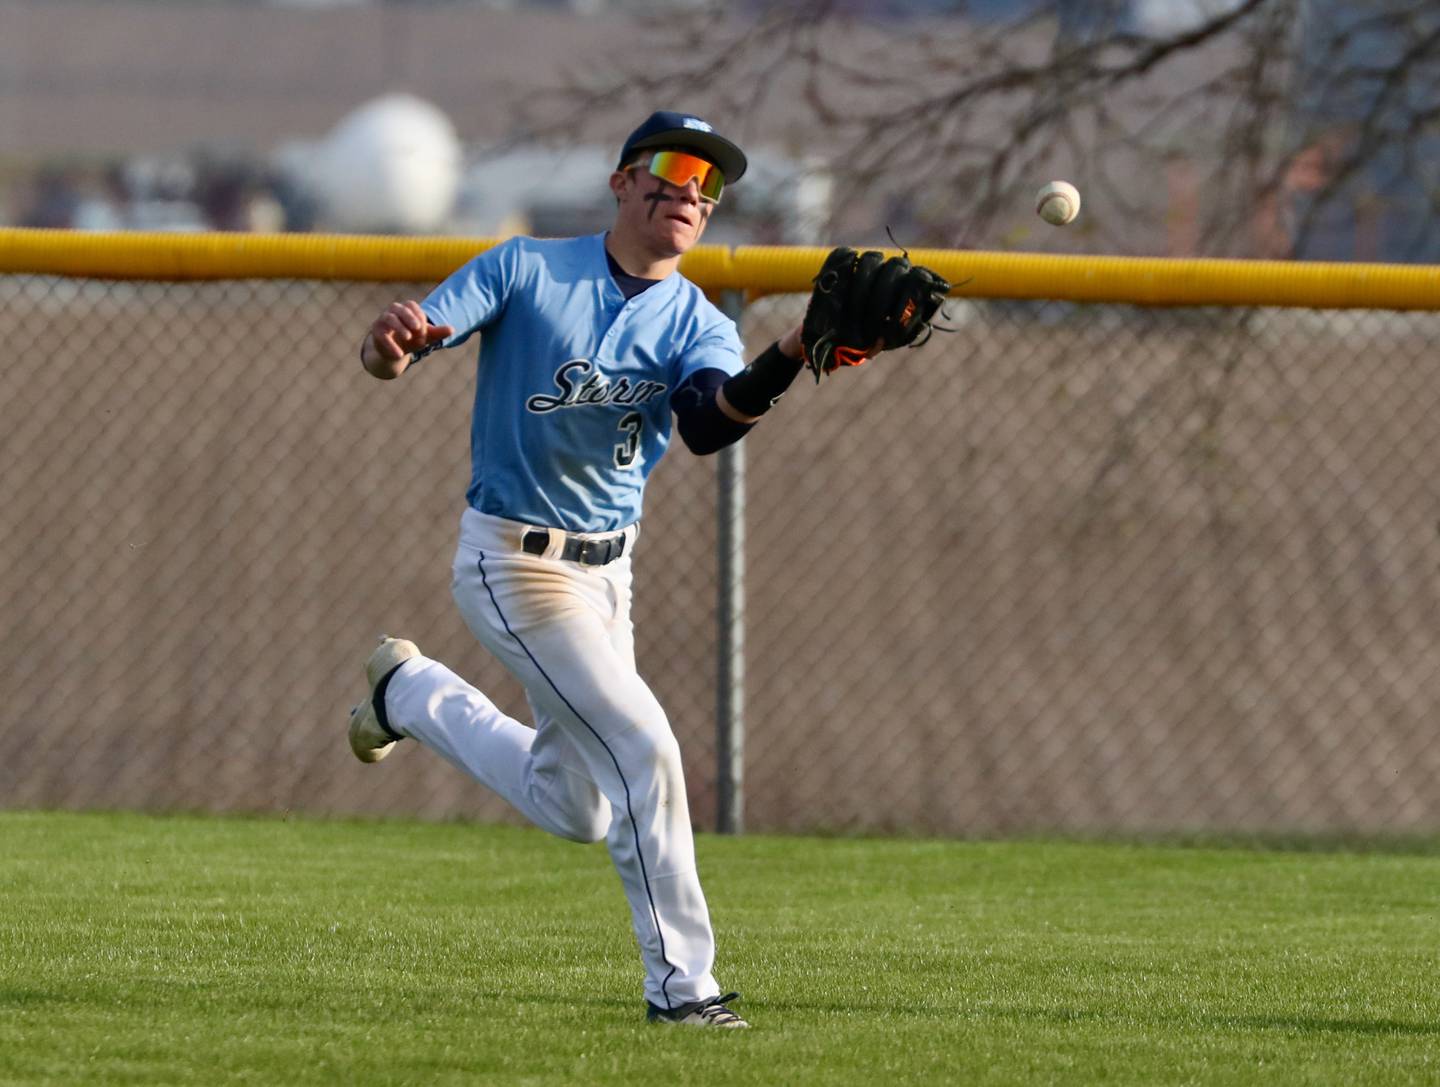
581, 386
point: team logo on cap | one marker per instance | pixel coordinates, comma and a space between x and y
696, 123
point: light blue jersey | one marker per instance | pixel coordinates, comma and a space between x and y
573, 385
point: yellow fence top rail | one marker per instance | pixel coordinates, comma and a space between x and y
756, 270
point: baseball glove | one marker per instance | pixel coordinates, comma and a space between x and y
862, 304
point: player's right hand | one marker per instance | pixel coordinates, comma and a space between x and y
404, 329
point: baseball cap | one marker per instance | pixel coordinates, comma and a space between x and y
665, 128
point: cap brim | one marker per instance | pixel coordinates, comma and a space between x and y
717, 149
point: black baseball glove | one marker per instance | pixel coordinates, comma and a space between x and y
863, 303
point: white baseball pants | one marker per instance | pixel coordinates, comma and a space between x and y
601, 761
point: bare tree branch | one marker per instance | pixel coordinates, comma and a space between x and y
1274, 104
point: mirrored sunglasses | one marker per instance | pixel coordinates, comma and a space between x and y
678, 167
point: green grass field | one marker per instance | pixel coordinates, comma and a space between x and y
151, 950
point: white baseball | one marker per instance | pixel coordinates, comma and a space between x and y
1058, 203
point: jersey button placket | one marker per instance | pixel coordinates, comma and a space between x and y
606, 353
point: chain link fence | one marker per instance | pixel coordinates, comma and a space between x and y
1071, 567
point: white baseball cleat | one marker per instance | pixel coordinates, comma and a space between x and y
702, 1013
371, 738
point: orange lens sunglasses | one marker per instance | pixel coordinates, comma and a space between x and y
678, 167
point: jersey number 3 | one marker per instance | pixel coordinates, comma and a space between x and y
631, 423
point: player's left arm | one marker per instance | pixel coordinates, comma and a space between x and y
714, 409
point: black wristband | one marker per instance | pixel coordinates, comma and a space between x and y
755, 389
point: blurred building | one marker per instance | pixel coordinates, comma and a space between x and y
337, 115
1388, 198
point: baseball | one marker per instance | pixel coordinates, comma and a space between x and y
1058, 203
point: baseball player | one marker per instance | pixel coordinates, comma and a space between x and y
588, 347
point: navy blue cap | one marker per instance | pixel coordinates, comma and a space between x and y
665, 128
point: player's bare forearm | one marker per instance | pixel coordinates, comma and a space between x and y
377, 365
791, 344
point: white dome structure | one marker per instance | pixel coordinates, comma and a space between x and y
392, 166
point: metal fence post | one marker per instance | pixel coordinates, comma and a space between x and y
730, 619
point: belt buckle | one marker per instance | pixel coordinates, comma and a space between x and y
602, 552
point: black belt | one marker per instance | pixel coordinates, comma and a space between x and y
592, 552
